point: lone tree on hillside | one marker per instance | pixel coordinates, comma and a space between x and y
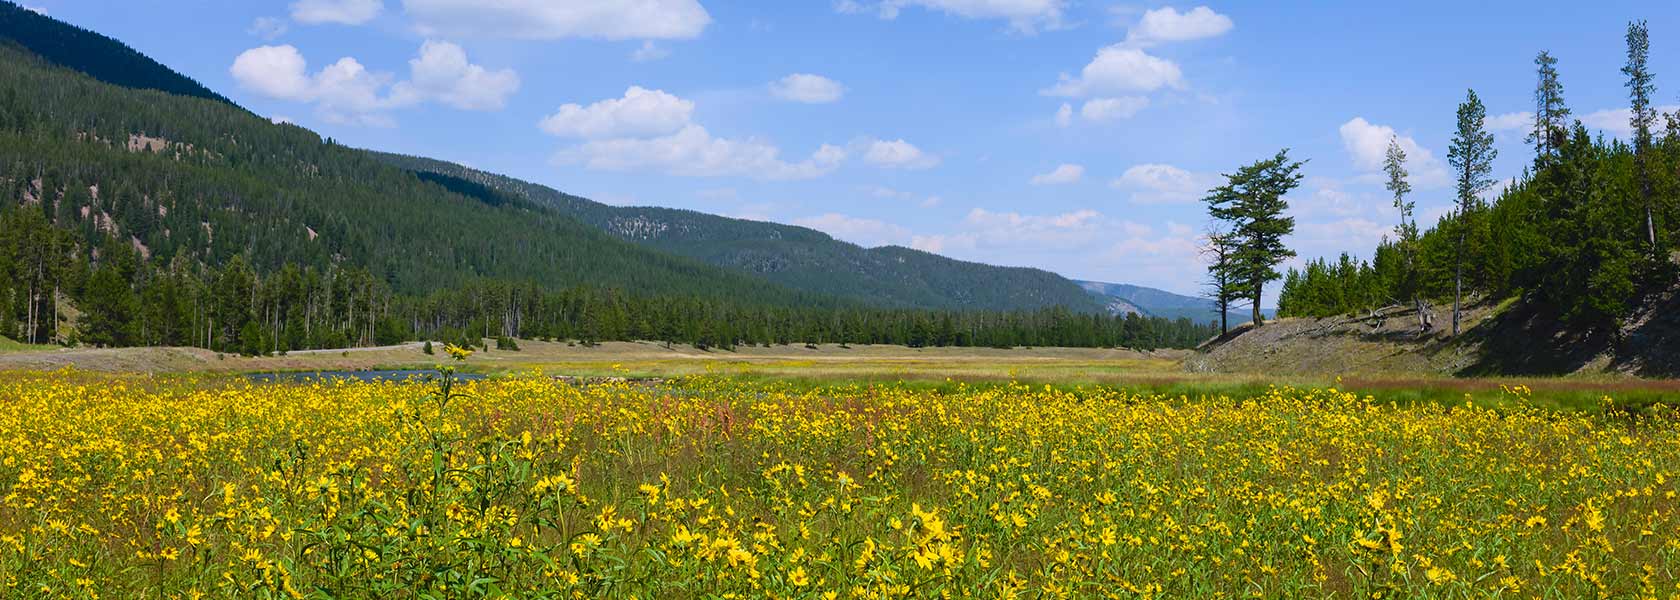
1640, 89
1406, 232
1251, 203
1471, 157
1551, 116
1221, 283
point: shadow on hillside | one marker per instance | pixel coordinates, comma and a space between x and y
1651, 347
1220, 340
1530, 338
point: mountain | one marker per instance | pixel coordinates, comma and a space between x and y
797, 257
1150, 301
177, 173
149, 156
1122, 298
95, 55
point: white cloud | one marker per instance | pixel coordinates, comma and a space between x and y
1064, 115
694, 152
1163, 184
267, 28
1166, 24
984, 232
274, 71
807, 88
868, 233
1112, 109
1014, 228
1119, 69
1062, 174
1517, 121
897, 154
654, 130
1367, 145
641, 112
347, 92
1025, 16
649, 52
552, 19
281, 120
35, 9
441, 72
1618, 121
345, 12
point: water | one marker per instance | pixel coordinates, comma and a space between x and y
363, 376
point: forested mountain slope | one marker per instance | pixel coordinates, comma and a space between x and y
95, 55
205, 180
797, 257
135, 216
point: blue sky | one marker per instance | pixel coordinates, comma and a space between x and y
938, 124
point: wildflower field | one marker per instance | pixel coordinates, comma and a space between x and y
710, 487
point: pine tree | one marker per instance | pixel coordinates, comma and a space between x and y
1221, 286
1252, 202
1551, 116
1640, 88
1406, 232
1471, 157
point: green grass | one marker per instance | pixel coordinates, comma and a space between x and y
8, 345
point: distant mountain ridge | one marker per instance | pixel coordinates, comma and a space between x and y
798, 257
1152, 302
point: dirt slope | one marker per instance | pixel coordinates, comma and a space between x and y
1513, 338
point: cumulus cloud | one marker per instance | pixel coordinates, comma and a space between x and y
1166, 24
807, 88
441, 72
1064, 115
1112, 109
550, 20
347, 92
1367, 146
1024, 16
1163, 184
1517, 121
640, 112
694, 152
896, 154
274, 71
343, 12
1119, 69
984, 232
654, 130
1062, 174
868, 233
1618, 122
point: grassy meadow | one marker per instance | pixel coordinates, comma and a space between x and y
745, 482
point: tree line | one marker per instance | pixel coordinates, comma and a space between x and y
117, 297
1585, 231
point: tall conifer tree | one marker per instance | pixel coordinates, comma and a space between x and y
1471, 157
